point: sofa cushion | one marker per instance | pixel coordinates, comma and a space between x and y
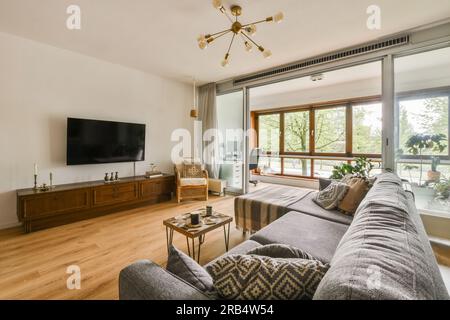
193, 181
251, 277
279, 250
190, 271
329, 197
382, 255
358, 188
317, 236
308, 206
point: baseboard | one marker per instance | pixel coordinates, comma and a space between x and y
9, 225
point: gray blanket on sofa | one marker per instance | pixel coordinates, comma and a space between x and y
256, 210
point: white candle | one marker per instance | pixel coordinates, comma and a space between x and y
35, 169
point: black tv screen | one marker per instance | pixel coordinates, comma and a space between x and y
96, 141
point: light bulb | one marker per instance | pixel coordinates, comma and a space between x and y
251, 29
248, 46
226, 60
202, 44
278, 17
217, 4
267, 53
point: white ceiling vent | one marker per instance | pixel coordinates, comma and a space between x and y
338, 55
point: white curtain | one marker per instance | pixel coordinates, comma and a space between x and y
207, 113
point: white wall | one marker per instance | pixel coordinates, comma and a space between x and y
40, 86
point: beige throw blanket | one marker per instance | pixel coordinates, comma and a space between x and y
257, 209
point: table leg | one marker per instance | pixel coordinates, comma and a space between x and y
189, 249
199, 246
167, 239
226, 234
193, 249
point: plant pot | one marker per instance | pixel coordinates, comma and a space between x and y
433, 176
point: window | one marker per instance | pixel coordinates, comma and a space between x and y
270, 165
296, 131
297, 167
423, 116
330, 130
324, 168
367, 128
308, 141
269, 132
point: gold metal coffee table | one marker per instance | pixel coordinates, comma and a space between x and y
181, 224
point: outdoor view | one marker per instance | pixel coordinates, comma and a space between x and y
426, 116
293, 156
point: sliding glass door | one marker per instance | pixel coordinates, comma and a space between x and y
231, 117
422, 92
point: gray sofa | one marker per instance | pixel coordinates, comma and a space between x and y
383, 253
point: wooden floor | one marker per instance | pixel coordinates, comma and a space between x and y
33, 266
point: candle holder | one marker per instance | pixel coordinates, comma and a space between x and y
35, 182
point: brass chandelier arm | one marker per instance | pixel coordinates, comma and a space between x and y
257, 22
243, 33
231, 43
218, 34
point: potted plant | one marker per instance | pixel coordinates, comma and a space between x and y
361, 168
419, 143
434, 175
442, 189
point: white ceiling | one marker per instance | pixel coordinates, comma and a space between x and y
438, 60
160, 36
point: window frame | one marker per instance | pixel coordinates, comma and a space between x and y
423, 94
312, 155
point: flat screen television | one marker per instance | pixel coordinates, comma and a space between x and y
96, 141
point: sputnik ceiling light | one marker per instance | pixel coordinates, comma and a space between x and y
243, 31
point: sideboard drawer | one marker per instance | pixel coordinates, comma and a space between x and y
55, 203
154, 188
111, 194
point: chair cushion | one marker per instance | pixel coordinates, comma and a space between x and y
252, 277
193, 182
192, 170
317, 236
308, 206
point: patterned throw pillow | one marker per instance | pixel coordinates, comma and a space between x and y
192, 170
329, 197
250, 277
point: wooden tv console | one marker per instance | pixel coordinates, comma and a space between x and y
77, 201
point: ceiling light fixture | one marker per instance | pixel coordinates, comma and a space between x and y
243, 31
317, 77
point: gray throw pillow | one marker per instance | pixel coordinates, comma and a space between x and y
278, 250
251, 277
329, 197
183, 266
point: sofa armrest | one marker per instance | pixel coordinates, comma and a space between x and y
205, 175
145, 280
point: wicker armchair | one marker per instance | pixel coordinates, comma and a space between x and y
191, 188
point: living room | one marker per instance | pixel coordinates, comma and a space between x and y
200, 150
